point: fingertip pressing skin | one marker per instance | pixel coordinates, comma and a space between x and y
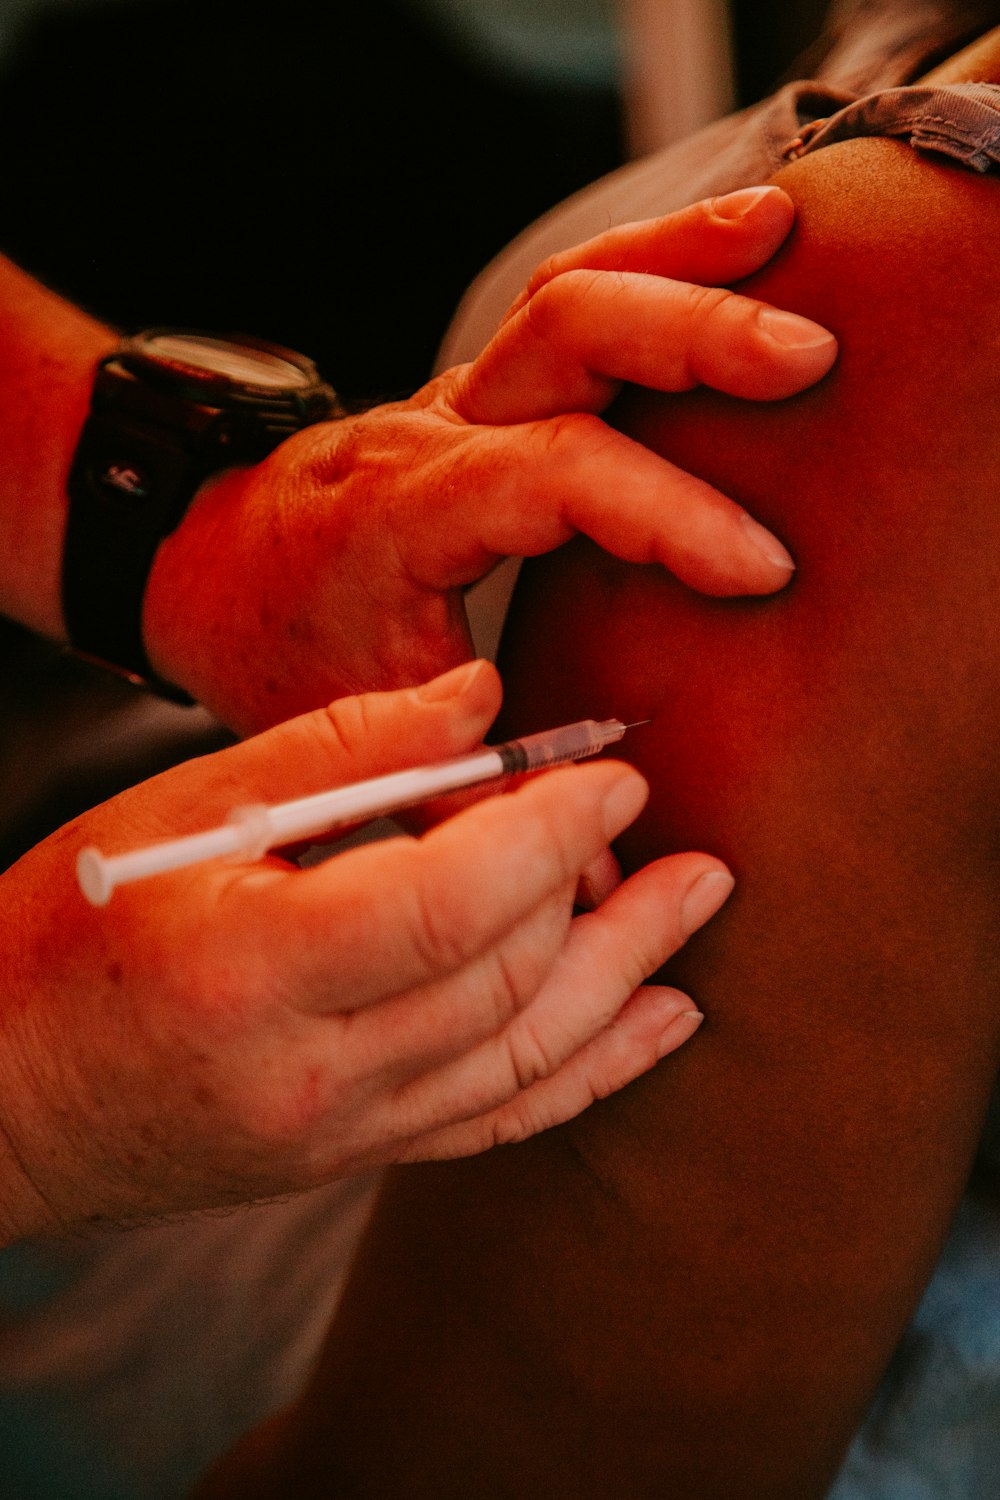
790, 331
652, 1023
706, 894
661, 514
767, 544
745, 348
758, 219
680, 1030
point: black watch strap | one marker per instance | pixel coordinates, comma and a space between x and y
127, 493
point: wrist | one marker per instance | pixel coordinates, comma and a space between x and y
46, 372
184, 596
170, 409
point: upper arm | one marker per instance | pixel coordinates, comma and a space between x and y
692, 1290
839, 746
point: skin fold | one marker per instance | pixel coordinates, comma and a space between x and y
692, 1290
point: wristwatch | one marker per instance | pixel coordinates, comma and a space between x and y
169, 408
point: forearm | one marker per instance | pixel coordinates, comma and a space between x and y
47, 357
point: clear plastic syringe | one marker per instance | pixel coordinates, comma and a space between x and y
251, 831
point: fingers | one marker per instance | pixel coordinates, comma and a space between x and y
350, 740
411, 913
599, 482
585, 332
641, 303
654, 1022
713, 242
400, 1039
557, 1054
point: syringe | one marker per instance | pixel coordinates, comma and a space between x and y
251, 831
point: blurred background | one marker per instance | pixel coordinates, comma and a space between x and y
331, 175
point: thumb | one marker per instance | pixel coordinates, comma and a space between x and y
350, 740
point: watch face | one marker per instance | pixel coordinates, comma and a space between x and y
242, 363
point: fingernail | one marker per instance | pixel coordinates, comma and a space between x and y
767, 543
680, 1030
737, 205
791, 331
623, 803
704, 898
450, 684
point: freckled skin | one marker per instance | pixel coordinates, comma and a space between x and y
692, 1291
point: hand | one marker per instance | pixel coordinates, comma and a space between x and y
338, 563
229, 1031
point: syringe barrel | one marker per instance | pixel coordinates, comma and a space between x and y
533, 752
309, 817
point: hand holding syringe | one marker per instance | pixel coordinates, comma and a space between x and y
245, 1030
251, 831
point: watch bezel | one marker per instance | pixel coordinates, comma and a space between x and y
138, 355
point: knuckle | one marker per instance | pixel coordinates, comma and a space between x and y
349, 721
544, 273
647, 950
508, 990
549, 312
543, 313
576, 439
528, 1055
706, 303
511, 1126
327, 452
440, 938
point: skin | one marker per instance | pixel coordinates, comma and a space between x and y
693, 1290
235, 1032
338, 564
264, 1048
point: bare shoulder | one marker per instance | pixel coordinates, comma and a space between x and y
883, 482
900, 256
